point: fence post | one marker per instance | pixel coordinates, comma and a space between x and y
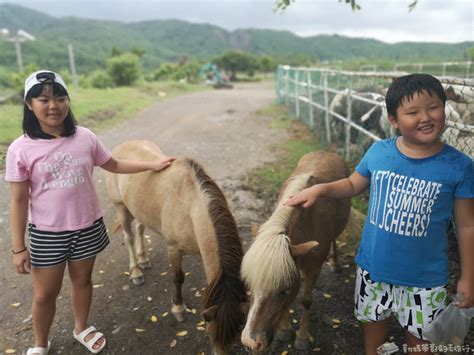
326, 105
297, 100
310, 99
287, 88
349, 119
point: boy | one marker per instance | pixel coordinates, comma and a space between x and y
416, 184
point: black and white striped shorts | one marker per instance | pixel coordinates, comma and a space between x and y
53, 248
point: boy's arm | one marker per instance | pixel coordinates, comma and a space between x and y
120, 166
464, 217
348, 187
19, 199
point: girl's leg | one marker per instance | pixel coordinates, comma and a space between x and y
375, 334
80, 273
46, 286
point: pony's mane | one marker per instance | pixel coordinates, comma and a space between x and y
268, 265
227, 291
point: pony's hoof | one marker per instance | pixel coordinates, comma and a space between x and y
302, 343
180, 317
137, 281
284, 334
144, 265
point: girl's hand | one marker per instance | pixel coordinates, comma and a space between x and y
163, 163
22, 262
465, 289
305, 197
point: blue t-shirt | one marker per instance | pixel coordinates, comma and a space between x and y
404, 240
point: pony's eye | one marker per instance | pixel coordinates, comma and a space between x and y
284, 293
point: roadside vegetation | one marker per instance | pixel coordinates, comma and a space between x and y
270, 177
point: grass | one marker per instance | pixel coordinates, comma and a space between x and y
271, 176
96, 108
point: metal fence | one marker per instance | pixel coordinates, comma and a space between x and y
452, 69
348, 108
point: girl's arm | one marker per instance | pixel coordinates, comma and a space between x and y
19, 199
120, 166
348, 187
464, 217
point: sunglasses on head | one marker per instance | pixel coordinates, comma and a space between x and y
45, 77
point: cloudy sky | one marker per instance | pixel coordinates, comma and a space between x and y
386, 20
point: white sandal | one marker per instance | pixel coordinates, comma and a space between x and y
90, 343
39, 350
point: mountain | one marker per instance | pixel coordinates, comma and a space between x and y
172, 40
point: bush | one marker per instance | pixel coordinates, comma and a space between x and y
99, 79
124, 69
163, 72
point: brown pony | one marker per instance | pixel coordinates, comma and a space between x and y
292, 241
186, 207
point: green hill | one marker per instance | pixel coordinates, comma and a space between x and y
172, 40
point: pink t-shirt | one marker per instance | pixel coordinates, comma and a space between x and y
62, 194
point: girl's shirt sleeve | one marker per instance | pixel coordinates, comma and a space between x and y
100, 152
16, 168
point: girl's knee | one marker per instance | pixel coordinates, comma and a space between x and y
81, 281
45, 296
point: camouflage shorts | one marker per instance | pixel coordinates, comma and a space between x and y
414, 307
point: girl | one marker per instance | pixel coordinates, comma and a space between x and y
50, 171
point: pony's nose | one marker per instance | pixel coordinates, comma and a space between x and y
260, 343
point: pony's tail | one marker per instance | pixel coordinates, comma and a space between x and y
225, 294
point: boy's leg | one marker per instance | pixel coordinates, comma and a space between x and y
415, 344
80, 273
375, 334
372, 301
416, 309
46, 286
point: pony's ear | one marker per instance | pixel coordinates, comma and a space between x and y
254, 227
244, 307
209, 314
303, 248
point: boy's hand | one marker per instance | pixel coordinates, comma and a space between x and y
466, 290
22, 262
305, 197
163, 163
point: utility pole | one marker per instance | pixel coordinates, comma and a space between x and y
21, 36
73, 65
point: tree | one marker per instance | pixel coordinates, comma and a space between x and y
124, 69
281, 5
267, 64
233, 61
470, 53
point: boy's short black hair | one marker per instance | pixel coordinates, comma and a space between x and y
31, 126
408, 85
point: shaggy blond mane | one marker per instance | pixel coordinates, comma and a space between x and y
268, 265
